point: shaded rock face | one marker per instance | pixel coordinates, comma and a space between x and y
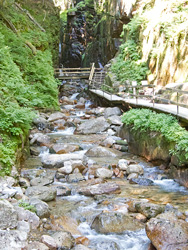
92, 36
167, 232
151, 145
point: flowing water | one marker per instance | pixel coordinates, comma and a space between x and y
82, 210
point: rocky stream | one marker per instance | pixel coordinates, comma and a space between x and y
81, 189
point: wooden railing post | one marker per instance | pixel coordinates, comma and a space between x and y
91, 73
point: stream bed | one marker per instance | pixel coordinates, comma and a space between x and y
77, 208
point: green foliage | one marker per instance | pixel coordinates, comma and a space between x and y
27, 206
147, 120
128, 64
26, 80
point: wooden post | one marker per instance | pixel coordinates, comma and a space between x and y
177, 103
91, 73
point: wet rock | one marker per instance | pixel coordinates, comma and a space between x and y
49, 241
64, 240
115, 222
34, 151
43, 180
132, 176
141, 181
134, 169
150, 210
66, 100
104, 173
57, 160
167, 232
67, 169
41, 192
112, 111
108, 142
98, 189
141, 217
56, 116
98, 151
62, 148
82, 240
93, 126
75, 177
26, 215
42, 208
103, 244
23, 226
123, 164
59, 124
40, 140
7, 181
13, 240
37, 246
63, 191
81, 247
115, 120
40, 122
8, 215
6, 192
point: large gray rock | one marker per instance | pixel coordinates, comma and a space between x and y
49, 241
13, 240
98, 189
40, 140
66, 169
112, 111
42, 208
123, 164
41, 192
64, 240
56, 116
26, 215
75, 177
104, 173
93, 126
57, 160
98, 151
62, 148
115, 222
115, 120
43, 180
8, 215
135, 168
150, 210
167, 232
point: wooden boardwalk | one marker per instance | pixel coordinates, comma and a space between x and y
140, 103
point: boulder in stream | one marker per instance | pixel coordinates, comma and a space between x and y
64, 240
42, 208
134, 168
167, 232
57, 160
62, 148
56, 116
41, 192
93, 126
115, 222
40, 140
98, 189
98, 151
104, 173
112, 111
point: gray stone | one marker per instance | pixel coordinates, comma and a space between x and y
135, 169
98, 151
66, 169
8, 215
141, 181
49, 241
64, 240
123, 164
75, 177
108, 142
7, 181
167, 232
42, 208
132, 176
13, 240
112, 111
57, 160
63, 191
56, 116
43, 180
115, 222
93, 126
98, 189
104, 173
41, 192
29, 216
115, 120
40, 140
23, 226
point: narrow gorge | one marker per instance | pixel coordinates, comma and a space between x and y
77, 172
